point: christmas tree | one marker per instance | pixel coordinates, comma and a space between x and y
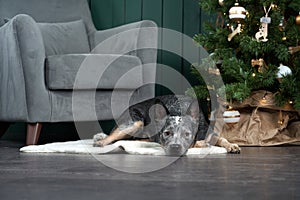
255, 44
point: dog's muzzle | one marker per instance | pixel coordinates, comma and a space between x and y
175, 150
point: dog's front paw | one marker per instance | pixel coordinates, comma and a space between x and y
99, 140
99, 136
99, 143
200, 144
233, 148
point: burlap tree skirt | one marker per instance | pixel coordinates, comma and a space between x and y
263, 124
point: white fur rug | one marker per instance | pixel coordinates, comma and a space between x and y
131, 147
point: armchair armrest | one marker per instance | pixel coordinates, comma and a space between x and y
139, 39
22, 82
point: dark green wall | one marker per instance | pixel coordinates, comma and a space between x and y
180, 15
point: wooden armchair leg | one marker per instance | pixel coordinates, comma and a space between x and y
33, 133
3, 128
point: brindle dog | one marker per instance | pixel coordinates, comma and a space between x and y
176, 122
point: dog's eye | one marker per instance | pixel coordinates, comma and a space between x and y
167, 133
186, 134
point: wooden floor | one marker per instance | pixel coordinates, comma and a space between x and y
257, 173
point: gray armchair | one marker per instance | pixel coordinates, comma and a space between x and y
44, 44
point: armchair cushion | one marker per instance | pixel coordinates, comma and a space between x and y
61, 72
65, 38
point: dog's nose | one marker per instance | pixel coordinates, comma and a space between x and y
174, 150
175, 146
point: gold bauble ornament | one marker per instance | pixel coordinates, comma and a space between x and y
298, 19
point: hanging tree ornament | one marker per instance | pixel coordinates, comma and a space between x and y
262, 34
282, 24
237, 13
260, 63
298, 19
235, 31
283, 71
221, 2
231, 116
293, 50
281, 27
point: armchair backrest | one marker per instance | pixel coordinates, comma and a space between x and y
48, 11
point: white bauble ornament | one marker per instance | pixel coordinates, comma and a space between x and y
237, 12
283, 71
231, 116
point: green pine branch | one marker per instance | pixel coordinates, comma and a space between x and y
234, 57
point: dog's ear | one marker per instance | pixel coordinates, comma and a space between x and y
158, 111
157, 117
193, 110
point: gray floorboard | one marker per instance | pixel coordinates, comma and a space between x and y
256, 173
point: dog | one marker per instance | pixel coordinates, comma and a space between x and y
175, 122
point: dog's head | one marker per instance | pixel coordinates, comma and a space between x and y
178, 132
